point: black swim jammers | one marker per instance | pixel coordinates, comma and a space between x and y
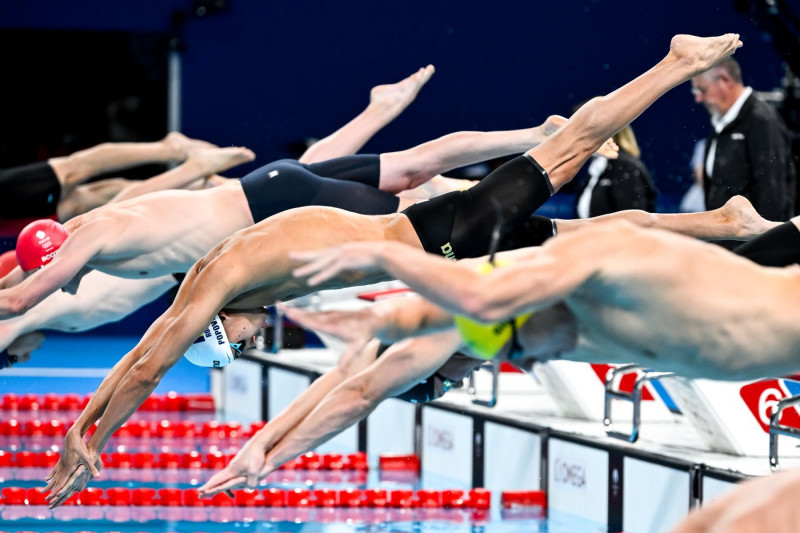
459, 224
778, 247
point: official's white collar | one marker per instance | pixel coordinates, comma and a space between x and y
720, 122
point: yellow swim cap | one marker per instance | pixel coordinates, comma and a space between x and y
485, 340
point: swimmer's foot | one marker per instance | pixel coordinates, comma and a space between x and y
394, 98
609, 150
180, 145
701, 53
745, 221
553, 124
209, 161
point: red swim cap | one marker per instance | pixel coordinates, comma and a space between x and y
8, 262
38, 242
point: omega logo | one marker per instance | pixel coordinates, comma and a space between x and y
440, 438
569, 474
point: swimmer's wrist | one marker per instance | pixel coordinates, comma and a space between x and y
78, 429
383, 253
262, 438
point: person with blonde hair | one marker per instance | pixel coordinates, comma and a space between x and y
617, 184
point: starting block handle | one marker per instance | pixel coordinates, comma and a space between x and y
776, 429
634, 397
473, 393
277, 331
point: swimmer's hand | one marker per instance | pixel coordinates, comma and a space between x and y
354, 328
245, 469
76, 466
323, 265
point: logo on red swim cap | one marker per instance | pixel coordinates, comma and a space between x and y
38, 243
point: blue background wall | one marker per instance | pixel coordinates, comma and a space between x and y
264, 74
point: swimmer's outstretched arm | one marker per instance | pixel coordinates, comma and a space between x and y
390, 320
736, 220
78, 463
101, 299
15, 277
397, 370
201, 163
202, 294
249, 461
78, 249
548, 273
386, 102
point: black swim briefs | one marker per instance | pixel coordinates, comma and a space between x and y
349, 183
29, 191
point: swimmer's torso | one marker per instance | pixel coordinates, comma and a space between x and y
262, 250
641, 310
168, 231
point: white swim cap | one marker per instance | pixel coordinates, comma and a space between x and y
212, 348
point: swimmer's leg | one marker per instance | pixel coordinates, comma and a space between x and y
76, 168
736, 220
385, 104
563, 154
200, 163
411, 168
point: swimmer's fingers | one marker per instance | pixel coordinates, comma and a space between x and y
225, 475
76, 482
52, 473
352, 350
57, 477
52, 479
311, 261
222, 484
324, 321
319, 270
307, 256
324, 265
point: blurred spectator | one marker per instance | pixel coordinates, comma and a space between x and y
749, 151
617, 184
694, 200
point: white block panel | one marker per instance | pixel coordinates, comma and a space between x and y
241, 391
446, 449
714, 488
390, 429
512, 458
284, 387
655, 497
578, 480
